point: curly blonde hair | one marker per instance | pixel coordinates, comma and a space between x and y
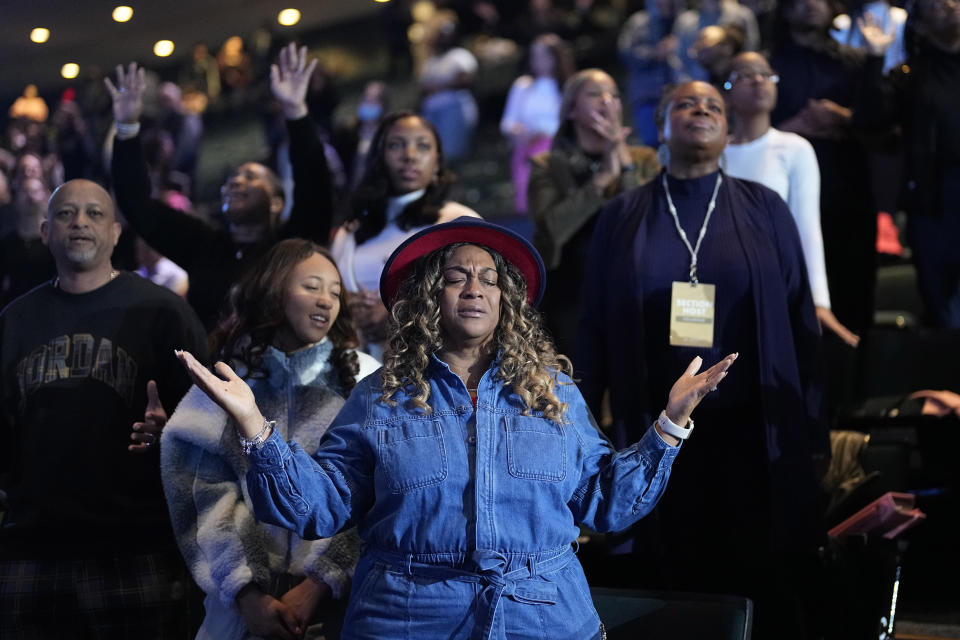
528, 360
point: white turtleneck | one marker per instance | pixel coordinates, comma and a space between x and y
362, 264
786, 163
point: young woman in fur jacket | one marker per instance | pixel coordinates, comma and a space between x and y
292, 338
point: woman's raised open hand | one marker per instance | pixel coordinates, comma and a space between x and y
690, 389
290, 79
127, 94
877, 39
228, 390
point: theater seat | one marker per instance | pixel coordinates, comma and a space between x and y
900, 362
670, 615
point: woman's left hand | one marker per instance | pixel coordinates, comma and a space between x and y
876, 39
304, 598
829, 321
689, 390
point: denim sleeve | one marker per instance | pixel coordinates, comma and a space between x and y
616, 488
316, 496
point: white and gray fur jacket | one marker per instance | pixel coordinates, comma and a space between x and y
204, 473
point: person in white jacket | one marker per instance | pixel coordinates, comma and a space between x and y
782, 161
532, 114
295, 344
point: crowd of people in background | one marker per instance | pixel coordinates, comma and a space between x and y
739, 154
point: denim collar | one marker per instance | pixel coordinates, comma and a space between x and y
439, 366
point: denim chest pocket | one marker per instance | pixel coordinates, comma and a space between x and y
412, 455
536, 449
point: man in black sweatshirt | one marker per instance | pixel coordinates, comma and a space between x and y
86, 547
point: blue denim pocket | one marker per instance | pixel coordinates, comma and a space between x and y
412, 455
536, 449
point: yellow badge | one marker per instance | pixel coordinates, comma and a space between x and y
692, 314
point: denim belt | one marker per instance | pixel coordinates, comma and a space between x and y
486, 567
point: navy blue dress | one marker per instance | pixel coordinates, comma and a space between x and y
742, 504
767, 420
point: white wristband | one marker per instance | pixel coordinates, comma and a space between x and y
126, 130
670, 428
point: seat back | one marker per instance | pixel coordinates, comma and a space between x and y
668, 615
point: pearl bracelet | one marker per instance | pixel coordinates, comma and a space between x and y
249, 444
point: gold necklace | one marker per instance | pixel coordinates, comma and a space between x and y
113, 274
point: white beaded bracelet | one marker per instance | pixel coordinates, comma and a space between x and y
249, 444
669, 427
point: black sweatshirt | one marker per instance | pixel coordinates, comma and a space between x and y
73, 380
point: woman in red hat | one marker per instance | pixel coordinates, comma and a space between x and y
469, 461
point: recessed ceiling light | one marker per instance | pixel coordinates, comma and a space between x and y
423, 11
70, 70
122, 13
288, 17
163, 48
40, 35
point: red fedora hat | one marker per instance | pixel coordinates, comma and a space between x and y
514, 248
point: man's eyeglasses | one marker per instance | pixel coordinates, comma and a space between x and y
737, 76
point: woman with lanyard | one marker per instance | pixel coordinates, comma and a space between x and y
469, 461
404, 188
692, 264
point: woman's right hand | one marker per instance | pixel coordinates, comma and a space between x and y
228, 390
304, 598
290, 79
608, 126
265, 616
938, 403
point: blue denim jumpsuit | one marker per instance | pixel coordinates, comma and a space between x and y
468, 515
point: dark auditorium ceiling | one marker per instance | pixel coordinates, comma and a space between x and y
82, 31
